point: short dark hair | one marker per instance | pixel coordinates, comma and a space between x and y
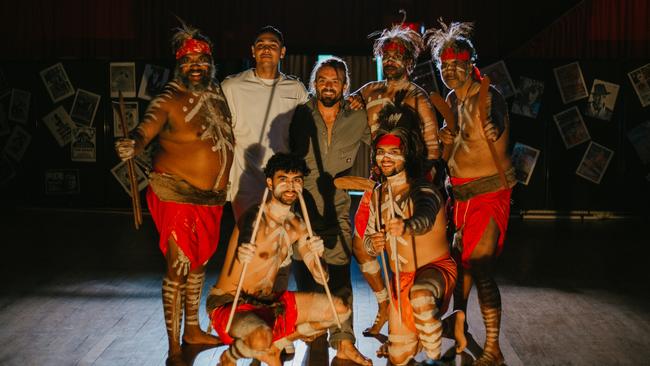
270, 29
287, 162
337, 64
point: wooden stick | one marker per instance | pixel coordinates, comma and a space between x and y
449, 117
383, 253
133, 182
305, 215
242, 275
393, 243
482, 104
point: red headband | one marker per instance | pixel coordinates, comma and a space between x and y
192, 45
389, 139
394, 46
449, 54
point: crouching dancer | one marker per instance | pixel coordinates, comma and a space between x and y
425, 273
266, 322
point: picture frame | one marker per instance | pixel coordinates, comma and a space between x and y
594, 162
570, 82
57, 83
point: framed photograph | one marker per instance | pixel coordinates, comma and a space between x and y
639, 136
4, 85
122, 76
57, 82
121, 173
131, 114
17, 143
84, 107
84, 145
500, 78
62, 181
602, 100
60, 125
524, 159
4, 122
7, 171
528, 98
570, 82
424, 75
594, 162
152, 82
572, 127
640, 79
19, 105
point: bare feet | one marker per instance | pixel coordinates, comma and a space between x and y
380, 320
459, 331
195, 335
347, 351
382, 351
175, 359
489, 359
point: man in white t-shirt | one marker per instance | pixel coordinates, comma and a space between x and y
262, 101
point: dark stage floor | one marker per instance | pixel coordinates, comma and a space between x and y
83, 288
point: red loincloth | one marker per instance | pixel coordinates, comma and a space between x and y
195, 228
472, 217
362, 215
446, 266
283, 324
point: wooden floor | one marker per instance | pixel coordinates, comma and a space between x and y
89, 294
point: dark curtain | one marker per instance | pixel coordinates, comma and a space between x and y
140, 30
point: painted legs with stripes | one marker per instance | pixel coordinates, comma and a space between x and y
426, 296
176, 297
371, 272
482, 262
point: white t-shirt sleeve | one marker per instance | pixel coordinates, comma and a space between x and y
226, 87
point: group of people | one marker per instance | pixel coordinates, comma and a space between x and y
263, 142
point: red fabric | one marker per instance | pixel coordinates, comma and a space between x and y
363, 214
389, 139
283, 325
446, 266
476, 74
195, 228
192, 45
450, 54
473, 216
394, 46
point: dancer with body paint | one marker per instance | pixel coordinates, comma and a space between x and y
407, 213
187, 189
265, 321
398, 48
481, 179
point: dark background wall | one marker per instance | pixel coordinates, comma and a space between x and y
608, 38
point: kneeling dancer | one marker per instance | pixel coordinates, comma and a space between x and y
425, 273
266, 322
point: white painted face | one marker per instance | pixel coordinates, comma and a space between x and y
390, 159
286, 186
455, 73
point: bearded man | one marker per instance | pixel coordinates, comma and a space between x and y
407, 219
398, 48
187, 189
267, 321
328, 134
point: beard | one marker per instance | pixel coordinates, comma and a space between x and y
394, 73
329, 101
202, 85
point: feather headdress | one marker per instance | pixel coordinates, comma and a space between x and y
455, 35
406, 36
